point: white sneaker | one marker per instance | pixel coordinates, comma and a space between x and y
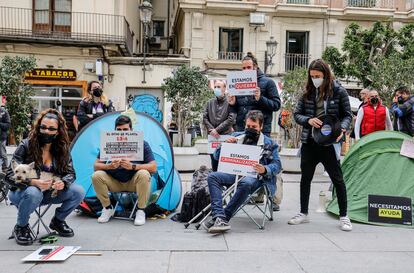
139, 218
345, 223
299, 218
106, 215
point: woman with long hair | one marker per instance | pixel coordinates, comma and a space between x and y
45, 150
94, 105
323, 96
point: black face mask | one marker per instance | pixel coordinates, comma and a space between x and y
400, 100
374, 100
97, 92
252, 136
46, 138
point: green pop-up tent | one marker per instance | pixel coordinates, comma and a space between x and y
374, 166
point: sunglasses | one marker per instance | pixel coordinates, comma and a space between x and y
51, 129
122, 129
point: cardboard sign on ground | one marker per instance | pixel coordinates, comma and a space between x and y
122, 145
51, 254
239, 159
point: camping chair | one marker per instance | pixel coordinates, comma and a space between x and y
267, 211
120, 209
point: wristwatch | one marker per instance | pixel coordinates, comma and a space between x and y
134, 166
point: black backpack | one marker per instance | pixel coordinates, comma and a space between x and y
90, 206
193, 203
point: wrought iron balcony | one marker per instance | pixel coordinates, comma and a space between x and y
383, 4
304, 2
293, 60
49, 26
230, 56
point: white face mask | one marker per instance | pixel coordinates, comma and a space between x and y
217, 92
317, 82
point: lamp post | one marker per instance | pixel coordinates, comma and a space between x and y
145, 14
270, 52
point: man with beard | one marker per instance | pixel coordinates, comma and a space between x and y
267, 169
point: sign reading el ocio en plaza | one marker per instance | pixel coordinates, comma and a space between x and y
389, 209
122, 145
241, 83
239, 159
51, 74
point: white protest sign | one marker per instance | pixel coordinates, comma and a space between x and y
51, 254
238, 159
122, 145
241, 83
213, 142
407, 148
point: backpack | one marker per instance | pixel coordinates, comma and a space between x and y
90, 206
197, 199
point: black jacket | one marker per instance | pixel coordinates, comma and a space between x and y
404, 116
337, 105
22, 156
86, 107
269, 102
4, 123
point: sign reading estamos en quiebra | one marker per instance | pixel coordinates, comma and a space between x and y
390, 209
51, 74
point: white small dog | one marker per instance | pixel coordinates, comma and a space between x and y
23, 172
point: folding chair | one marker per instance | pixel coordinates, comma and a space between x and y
267, 211
120, 209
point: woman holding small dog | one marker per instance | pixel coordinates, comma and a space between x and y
48, 148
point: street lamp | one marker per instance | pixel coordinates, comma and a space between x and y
145, 14
270, 52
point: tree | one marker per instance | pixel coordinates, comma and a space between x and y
17, 93
293, 87
188, 91
378, 57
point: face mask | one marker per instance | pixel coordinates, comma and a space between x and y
400, 100
317, 82
374, 100
97, 92
46, 138
252, 136
217, 92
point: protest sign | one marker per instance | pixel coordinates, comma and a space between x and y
122, 145
241, 83
51, 254
238, 159
214, 142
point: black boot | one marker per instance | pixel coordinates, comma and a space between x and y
61, 227
23, 235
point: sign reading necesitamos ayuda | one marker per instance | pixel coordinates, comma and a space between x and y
390, 209
51, 74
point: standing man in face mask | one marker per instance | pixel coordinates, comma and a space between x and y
94, 105
403, 110
266, 98
267, 169
217, 117
372, 117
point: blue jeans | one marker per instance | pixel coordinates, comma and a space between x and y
28, 200
217, 180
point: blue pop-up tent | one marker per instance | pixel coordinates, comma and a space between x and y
85, 149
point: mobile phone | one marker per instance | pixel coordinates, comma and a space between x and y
45, 251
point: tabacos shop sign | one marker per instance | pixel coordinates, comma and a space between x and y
390, 209
51, 74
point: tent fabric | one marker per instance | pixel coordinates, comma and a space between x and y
374, 166
85, 148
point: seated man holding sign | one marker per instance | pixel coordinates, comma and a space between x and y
259, 164
124, 175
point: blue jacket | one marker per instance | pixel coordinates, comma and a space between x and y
268, 103
404, 116
270, 159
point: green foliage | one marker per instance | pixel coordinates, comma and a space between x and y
17, 93
378, 57
188, 91
293, 87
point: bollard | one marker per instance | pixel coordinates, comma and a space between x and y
322, 202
